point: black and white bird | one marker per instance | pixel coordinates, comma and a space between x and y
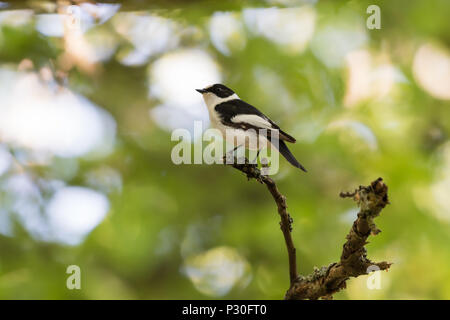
235, 118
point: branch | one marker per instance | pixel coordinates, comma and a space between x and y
252, 172
326, 281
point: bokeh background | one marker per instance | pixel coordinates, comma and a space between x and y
89, 96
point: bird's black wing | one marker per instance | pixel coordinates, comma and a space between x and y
232, 109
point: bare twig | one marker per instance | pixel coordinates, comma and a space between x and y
326, 281
252, 171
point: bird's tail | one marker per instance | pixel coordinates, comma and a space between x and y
283, 149
286, 137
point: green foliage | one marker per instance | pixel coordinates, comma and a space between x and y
171, 228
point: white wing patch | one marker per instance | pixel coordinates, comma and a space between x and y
253, 120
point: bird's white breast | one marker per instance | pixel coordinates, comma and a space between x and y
211, 101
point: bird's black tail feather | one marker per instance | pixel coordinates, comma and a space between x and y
286, 137
283, 149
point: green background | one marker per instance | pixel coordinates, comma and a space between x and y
203, 231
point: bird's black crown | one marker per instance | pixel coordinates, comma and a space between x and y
219, 90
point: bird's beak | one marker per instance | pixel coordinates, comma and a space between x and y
201, 90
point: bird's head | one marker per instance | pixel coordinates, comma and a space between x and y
218, 90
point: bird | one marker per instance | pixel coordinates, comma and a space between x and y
235, 118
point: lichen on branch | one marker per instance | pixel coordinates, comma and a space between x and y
327, 280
